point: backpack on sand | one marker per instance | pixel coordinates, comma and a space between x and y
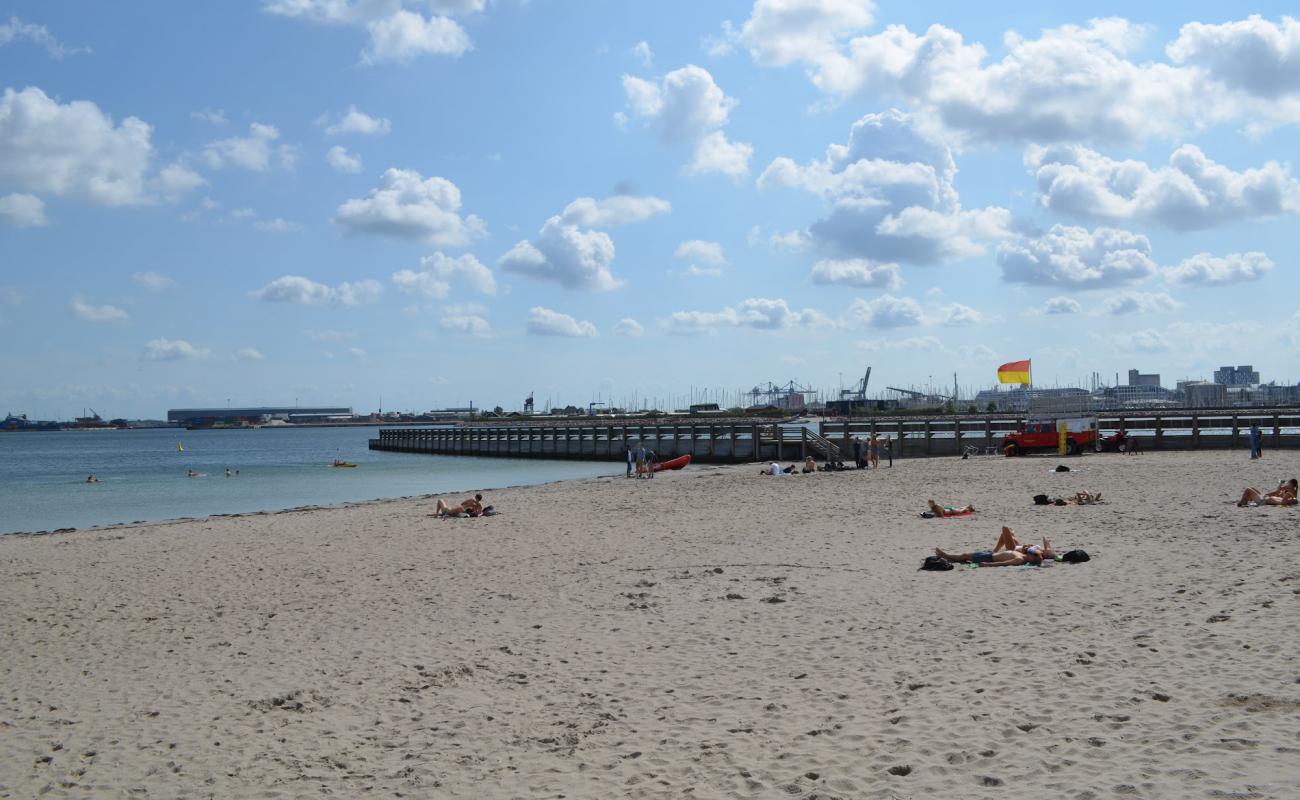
936, 564
1076, 557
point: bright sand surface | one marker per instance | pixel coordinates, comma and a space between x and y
711, 633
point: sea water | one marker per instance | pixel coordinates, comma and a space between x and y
142, 473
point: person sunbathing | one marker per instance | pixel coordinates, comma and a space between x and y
1283, 495
445, 509
1008, 541
949, 511
987, 558
1007, 552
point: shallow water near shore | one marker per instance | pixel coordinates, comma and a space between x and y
142, 474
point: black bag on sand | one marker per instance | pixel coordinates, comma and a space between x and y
1076, 557
1062, 468
1042, 500
936, 564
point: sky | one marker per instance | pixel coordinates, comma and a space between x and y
433, 203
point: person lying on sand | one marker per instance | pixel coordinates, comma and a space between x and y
469, 507
1007, 552
1283, 495
1087, 498
949, 511
1008, 541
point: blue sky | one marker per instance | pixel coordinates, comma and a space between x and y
451, 201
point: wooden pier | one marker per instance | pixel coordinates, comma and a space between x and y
722, 443
909, 437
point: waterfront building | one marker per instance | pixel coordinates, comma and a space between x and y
1243, 375
207, 417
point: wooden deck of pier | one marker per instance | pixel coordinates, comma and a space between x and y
748, 441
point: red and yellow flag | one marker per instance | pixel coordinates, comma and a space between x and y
1015, 372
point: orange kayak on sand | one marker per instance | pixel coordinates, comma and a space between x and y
673, 463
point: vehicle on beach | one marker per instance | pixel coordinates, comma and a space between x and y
1042, 434
1118, 442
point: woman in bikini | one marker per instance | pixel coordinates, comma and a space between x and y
949, 511
1283, 495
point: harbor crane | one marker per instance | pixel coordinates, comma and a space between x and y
860, 392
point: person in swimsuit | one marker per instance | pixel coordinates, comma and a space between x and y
1283, 495
949, 511
1008, 541
809, 465
1007, 552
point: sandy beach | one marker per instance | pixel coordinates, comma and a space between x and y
710, 633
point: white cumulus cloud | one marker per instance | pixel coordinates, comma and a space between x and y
304, 291
859, 272
22, 210
163, 349
689, 107
569, 251
628, 327
93, 313
1254, 55
760, 313
466, 324
1062, 305
252, 152
1204, 269
1190, 192
340, 160
1139, 303
781, 32
891, 196
546, 322
249, 354
438, 271
886, 311
1079, 258
406, 205
396, 33
357, 122
956, 314
72, 150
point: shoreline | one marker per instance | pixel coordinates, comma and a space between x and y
292, 509
710, 633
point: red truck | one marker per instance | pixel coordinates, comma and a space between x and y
1042, 434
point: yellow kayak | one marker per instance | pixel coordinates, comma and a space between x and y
344, 464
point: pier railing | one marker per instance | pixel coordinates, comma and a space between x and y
907, 437
721, 443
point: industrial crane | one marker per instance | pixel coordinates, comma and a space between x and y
859, 393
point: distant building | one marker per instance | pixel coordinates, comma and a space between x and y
207, 417
1204, 394
1243, 375
1136, 378
1143, 395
